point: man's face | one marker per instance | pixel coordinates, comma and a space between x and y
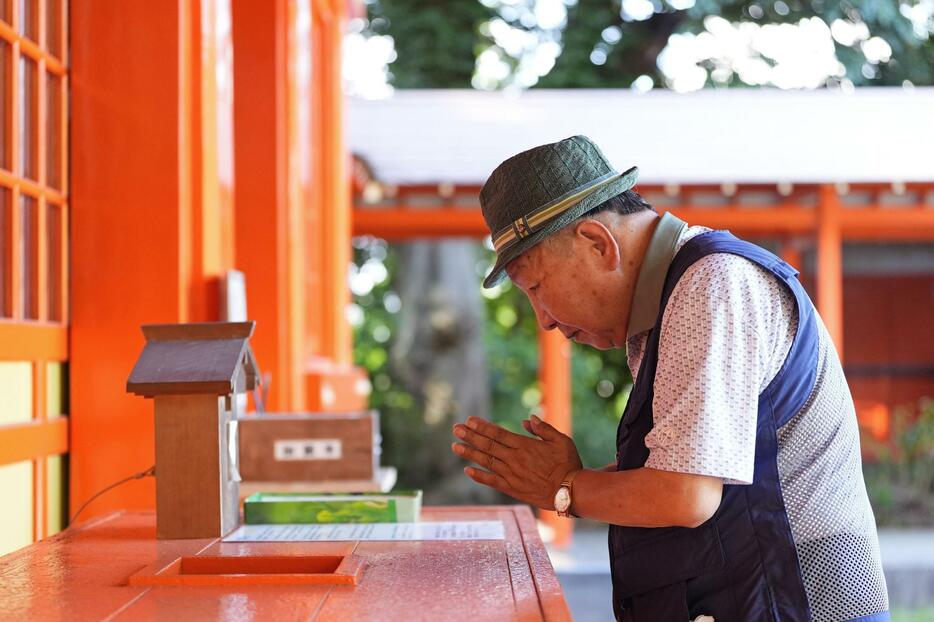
561, 281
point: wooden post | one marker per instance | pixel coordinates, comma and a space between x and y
554, 375
830, 265
196, 497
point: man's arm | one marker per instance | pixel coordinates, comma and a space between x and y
646, 497
532, 469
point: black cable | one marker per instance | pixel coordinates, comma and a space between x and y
148, 472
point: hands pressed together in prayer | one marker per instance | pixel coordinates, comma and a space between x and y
527, 468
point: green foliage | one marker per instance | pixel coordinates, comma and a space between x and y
900, 481
374, 326
913, 615
632, 55
641, 42
436, 41
601, 385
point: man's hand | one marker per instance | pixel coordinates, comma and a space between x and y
527, 469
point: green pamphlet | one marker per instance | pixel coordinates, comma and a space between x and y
403, 506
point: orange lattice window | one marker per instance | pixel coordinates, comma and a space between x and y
33, 172
33, 256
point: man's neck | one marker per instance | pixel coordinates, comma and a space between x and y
633, 233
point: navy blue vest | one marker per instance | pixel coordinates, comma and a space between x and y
741, 564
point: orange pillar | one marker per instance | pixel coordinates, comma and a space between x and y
152, 215
790, 251
554, 374
336, 341
333, 383
830, 265
266, 239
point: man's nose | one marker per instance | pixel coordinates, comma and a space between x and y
545, 321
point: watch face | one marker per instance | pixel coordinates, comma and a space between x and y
562, 499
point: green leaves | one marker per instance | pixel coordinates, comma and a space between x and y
600, 45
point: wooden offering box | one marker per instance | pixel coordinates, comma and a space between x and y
309, 447
113, 568
193, 373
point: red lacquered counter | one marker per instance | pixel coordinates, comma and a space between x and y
81, 574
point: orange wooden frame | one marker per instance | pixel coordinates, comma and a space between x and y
402, 220
35, 329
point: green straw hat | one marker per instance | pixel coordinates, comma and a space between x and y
537, 192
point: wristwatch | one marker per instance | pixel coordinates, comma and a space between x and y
563, 496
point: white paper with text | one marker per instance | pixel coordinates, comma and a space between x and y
460, 530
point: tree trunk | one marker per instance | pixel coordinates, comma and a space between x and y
439, 355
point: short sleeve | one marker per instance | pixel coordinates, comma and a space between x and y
724, 334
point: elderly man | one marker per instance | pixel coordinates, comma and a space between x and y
737, 490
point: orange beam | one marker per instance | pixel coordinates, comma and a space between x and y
206, 76
16, 240
263, 236
7, 270
36, 439
334, 179
303, 260
871, 222
396, 224
30, 49
33, 341
876, 222
554, 379
406, 222
39, 471
830, 265
13, 153
29, 187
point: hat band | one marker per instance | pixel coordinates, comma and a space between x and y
527, 225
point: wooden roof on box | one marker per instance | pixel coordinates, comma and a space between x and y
209, 357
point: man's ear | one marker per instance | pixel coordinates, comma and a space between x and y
600, 241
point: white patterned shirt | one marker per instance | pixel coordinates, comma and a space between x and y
726, 331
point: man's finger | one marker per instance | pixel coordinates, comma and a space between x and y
488, 479
484, 443
544, 430
498, 433
485, 460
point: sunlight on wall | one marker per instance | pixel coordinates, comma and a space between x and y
15, 479
16, 389
16, 518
